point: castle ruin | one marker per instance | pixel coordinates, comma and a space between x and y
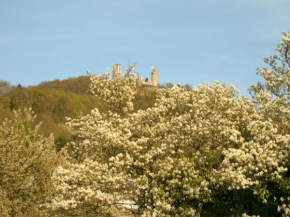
117, 71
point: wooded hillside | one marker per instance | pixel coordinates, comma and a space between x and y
52, 101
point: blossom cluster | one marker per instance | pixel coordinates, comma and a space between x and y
118, 92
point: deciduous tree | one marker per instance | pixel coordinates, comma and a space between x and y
26, 164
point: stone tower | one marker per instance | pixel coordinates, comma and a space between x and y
154, 78
116, 71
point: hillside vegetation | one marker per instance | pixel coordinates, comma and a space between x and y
54, 100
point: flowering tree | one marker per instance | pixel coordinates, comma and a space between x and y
26, 164
175, 156
91, 165
207, 151
273, 96
94, 178
118, 92
273, 102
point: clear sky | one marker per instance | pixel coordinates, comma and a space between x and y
188, 41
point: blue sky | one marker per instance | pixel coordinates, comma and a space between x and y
188, 41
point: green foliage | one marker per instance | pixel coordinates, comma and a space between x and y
5, 86
18, 97
144, 99
27, 161
167, 85
79, 85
